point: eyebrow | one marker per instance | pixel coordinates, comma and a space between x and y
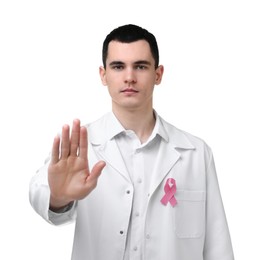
145, 62
117, 63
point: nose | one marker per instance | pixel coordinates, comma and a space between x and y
130, 76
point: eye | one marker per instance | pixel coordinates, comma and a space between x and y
117, 67
140, 67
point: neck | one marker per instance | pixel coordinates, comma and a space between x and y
141, 122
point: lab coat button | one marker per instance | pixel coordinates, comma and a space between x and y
147, 236
135, 248
121, 232
139, 180
128, 191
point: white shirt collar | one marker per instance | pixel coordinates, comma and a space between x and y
117, 128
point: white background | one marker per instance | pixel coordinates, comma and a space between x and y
50, 52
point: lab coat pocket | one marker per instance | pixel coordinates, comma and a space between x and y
189, 214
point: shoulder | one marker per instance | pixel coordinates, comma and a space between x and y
181, 138
98, 129
98, 122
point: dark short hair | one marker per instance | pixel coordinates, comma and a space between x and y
131, 33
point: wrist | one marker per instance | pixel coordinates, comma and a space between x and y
61, 209
58, 205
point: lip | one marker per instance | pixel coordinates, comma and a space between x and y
129, 90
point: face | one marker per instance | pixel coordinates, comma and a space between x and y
130, 75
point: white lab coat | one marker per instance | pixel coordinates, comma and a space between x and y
195, 229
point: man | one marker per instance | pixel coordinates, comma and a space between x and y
137, 187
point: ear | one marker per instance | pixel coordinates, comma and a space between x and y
159, 72
102, 73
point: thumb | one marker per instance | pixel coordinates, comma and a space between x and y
95, 173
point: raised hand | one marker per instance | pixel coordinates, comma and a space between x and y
69, 176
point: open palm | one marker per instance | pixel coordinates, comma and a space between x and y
69, 176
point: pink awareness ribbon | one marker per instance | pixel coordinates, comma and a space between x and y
170, 189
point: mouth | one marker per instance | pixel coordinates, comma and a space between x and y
129, 90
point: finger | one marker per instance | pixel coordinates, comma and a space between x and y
95, 173
65, 142
83, 144
55, 150
75, 134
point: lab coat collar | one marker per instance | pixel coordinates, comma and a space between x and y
101, 135
107, 127
176, 138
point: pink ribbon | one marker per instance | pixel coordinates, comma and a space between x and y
170, 189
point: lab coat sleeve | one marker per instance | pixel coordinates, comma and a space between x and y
39, 196
217, 239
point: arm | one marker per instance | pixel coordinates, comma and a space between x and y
65, 178
217, 240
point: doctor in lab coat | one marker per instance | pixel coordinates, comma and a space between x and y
137, 187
